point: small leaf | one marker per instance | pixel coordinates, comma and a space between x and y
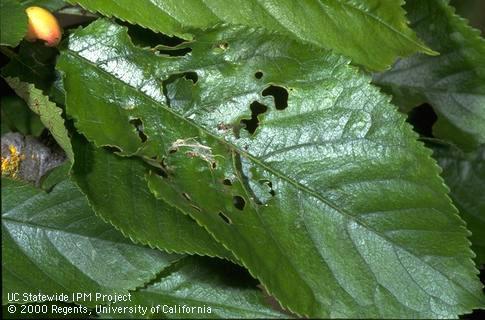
50, 114
13, 23
286, 152
371, 32
53, 243
118, 192
200, 288
464, 173
453, 82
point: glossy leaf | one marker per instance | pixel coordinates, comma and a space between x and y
453, 82
53, 243
199, 288
118, 192
372, 32
307, 185
50, 114
464, 173
13, 22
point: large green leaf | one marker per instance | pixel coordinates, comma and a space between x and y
50, 114
195, 288
53, 243
13, 22
453, 82
118, 192
330, 202
372, 32
464, 173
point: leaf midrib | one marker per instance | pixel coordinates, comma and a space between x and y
275, 172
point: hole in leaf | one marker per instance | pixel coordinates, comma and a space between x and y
175, 52
214, 165
139, 128
238, 202
191, 75
422, 118
161, 172
147, 38
269, 184
225, 218
227, 182
223, 45
186, 196
258, 75
280, 96
112, 148
252, 124
196, 208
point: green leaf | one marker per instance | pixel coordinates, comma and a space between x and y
118, 192
51, 5
371, 32
464, 173
50, 114
13, 23
16, 116
34, 63
305, 187
53, 243
453, 82
196, 287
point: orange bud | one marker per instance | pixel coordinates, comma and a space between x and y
43, 25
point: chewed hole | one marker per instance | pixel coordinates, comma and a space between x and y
252, 124
280, 96
227, 182
138, 124
112, 148
238, 202
186, 196
213, 165
269, 184
196, 208
223, 45
191, 75
180, 52
225, 218
258, 75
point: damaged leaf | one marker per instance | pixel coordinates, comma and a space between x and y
286, 189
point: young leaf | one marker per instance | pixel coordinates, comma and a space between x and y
13, 22
53, 243
286, 153
371, 32
453, 82
118, 192
196, 287
464, 173
50, 114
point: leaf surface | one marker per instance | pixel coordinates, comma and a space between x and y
16, 116
464, 173
50, 114
53, 243
196, 287
118, 192
298, 191
372, 32
13, 22
453, 82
